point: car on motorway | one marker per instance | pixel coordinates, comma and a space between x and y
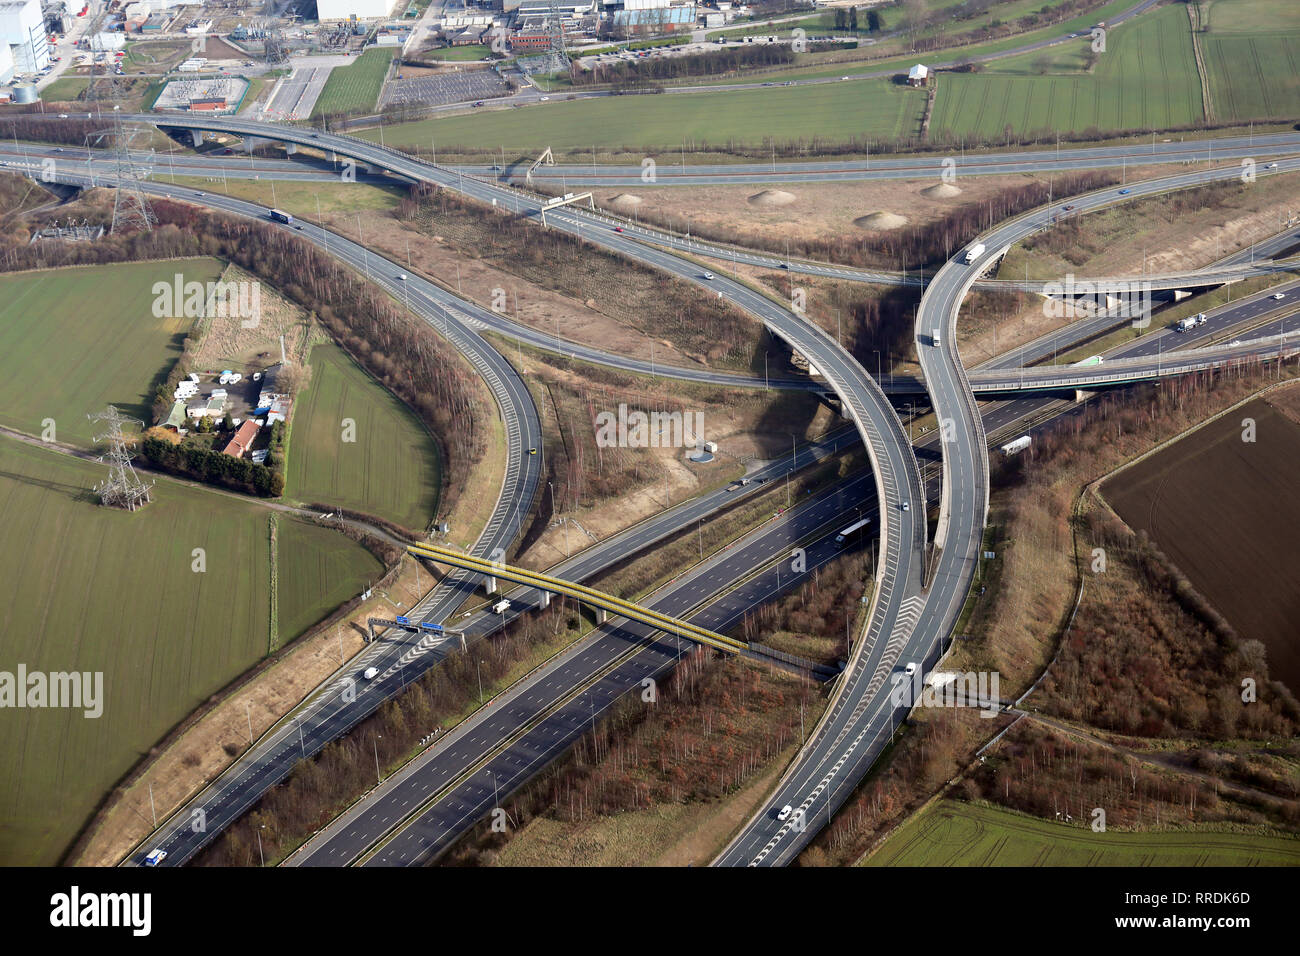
618, 228
785, 265
1067, 207
843, 77
63, 116
784, 812
542, 99
1125, 192
1279, 295
202, 194
58, 149
1271, 166
299, 228
906, 506
370, 673
910, 669
478, 103
401, 277
532, 451
1234, 343
708, 275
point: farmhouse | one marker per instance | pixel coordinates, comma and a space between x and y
243, 440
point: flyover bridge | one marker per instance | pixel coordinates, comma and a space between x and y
607, 604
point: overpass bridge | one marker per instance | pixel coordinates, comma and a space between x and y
606, 604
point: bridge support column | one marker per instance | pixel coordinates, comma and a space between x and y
251, 143
601, 615
290, 148
489, 583
543, 600
196, 138
460, 639
1082, 394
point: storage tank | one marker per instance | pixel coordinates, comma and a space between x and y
26, 93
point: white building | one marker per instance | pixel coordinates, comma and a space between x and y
101, 42
22, 28
362, 9
6, 63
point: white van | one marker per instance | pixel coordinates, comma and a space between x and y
370, 673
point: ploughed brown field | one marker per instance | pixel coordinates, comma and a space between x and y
1227, 512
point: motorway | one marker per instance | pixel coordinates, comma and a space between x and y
903, 605
814, 779
1243, 265
898, 596
340, 704
898, 600
539, 717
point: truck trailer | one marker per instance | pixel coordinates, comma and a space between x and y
974, 252
1015, 446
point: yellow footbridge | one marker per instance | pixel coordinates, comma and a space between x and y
609, 604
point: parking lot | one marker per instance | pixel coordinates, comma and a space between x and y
465, 86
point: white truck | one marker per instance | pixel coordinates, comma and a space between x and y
500, 607
974, 252
1015, 446
934, 338
1191, 322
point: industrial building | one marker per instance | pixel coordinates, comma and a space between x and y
361, 9
22, 28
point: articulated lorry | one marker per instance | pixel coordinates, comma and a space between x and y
974, 252
1191, 322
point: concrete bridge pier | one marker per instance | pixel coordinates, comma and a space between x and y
196, 138
252, 142
490, 583
543, 600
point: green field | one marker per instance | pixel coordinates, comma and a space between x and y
95, 589
900, 64
1147, 77
874, 108
474, 51
950, 833
76, 339
390, 470
1252, 55
355, 88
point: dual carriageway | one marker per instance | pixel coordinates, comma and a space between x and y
914, 606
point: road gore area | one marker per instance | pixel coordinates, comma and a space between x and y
1223, 508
